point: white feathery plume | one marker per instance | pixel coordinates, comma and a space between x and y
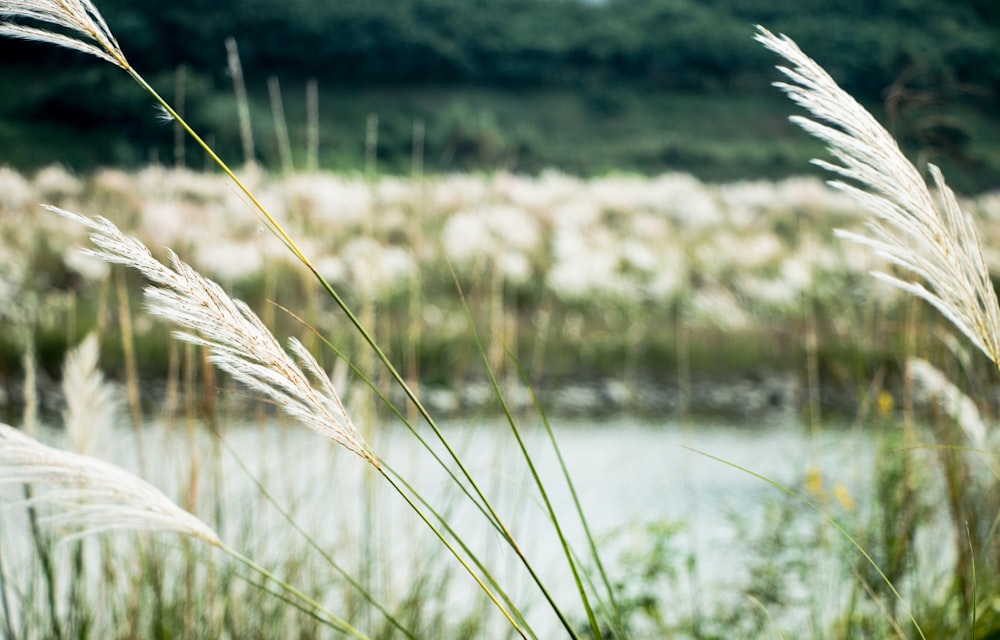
239, 343
90, 494
90, 401
930, 237
81, 26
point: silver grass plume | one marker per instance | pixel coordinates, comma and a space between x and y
238, 342
90, 401
91, 495
78, 22
928, 236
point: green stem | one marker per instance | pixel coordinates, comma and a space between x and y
595, 629
45, 559
385, 468
315, 545
458, 539
486, 510
454, 552
572, 490
327, 616
269, 220
282, 235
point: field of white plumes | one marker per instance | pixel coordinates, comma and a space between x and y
565, 271
623, 239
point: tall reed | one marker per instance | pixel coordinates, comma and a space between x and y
86, 496
936, 244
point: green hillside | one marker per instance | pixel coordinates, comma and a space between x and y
519, 84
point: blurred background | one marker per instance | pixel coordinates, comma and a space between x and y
585, 87
620, 175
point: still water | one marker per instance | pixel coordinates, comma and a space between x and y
627, 472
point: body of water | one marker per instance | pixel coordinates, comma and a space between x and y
629, 474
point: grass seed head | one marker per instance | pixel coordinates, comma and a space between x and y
238, 341
925, 233
89, 495
90, 401
73, 24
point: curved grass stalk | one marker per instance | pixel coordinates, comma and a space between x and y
487, 575
975, 584
485, 506
454, 552
553, 518
766, 612
584, 522
879, 604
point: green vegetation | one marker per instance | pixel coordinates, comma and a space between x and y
509, 84
619, 280
614, 253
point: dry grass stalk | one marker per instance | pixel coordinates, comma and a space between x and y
90, 494
87, 31
929, 236
239, 342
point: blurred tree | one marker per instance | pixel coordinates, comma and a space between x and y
685, 44
900, 52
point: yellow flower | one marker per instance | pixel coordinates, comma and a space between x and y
843, 497
884, 403
814, 482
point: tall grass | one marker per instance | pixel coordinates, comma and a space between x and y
925, 233
935, 243
241, 345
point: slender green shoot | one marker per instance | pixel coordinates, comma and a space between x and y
592, 544
454, 552
473, 557
553, 518
327, 616
972, 561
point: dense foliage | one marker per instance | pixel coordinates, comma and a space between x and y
904, 54
669, 43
